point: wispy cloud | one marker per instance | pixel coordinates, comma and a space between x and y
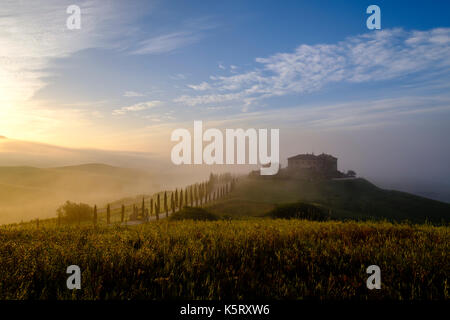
167, 43
132, 94
33, 33
136, 107
200, 87
187, 34
376, 56
178, 76
349, 115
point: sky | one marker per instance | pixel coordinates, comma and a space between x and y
136, 70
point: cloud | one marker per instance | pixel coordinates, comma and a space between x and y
191, 32
200, 87
136, 107
376, 56
166, 43
349, 115
178, 76
33, 33
131, 94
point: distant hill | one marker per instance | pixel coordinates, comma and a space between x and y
30, 192
347, 199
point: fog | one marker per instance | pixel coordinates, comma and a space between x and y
35, 178
33, 184
409, 159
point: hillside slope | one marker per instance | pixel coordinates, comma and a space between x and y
352, 199
29, 192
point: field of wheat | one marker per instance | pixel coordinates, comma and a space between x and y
260, 258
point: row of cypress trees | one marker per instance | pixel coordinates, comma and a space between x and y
196, 195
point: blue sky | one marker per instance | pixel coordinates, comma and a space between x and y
138, 69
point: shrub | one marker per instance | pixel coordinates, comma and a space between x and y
300, 210
73, 212
190, 213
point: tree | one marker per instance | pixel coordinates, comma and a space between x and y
95, 215
176, 197
232, 184
143, 208
108, 214
181, 199
151, 206
72, 212
186, 196
158, 206
133, 213
191, 197
172, 203
351, 173
212, 181
122, 214
166, 207
196, 194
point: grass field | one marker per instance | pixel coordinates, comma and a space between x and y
245, 254
254, 258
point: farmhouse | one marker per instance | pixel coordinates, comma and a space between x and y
323, 163
309, 166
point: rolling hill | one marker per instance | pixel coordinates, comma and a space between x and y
30, 192
347, 199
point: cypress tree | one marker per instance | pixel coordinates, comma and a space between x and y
122, 215
176, 197
166, 207
143, 208
191, 197
108, 214
95, 215
202, 193
186, 196
196, 194
172, 203
158, 206
181, 199
151, 206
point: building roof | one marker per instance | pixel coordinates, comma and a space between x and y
311, 156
